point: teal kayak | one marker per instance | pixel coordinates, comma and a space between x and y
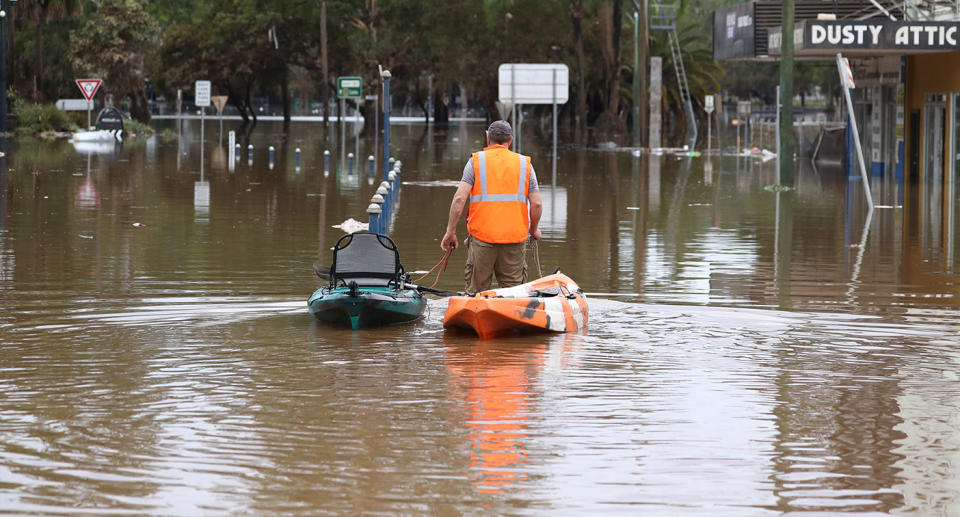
367, 306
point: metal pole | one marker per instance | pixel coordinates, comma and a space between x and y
513, 95
709, 132
786, 95
636, 77
554, 126
386, 122
856, 138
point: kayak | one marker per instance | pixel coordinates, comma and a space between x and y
553, 303
366, 306
368, 286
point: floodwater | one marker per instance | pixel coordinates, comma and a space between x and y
749, 352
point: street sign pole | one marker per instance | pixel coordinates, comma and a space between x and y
847, 84
201, 99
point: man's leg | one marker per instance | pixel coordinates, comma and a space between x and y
478, 271
511, 265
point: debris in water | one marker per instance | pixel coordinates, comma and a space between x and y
139, 225
351, 225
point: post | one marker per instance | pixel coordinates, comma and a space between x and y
202, 110
778, 107
373, 212
270, 152
554, 126
231, 150
430, 99
386, 121
3, 72
656, 101
786, 95
513, 95
250, 154
370, 160
298, 158
856, 134
709, 133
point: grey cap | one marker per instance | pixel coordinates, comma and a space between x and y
500, 131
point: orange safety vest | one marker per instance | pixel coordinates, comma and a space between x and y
498, 200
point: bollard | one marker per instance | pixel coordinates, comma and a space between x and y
326, 161
392, 178
270, 151
350, 163
298, 158
250, 154
236, 152
373, 212
396, 166
370, 161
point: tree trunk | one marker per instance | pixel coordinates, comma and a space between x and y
325, 87
440, 113
285, 92
38, 60
580, 112
139, 106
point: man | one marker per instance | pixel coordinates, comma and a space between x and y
505, 208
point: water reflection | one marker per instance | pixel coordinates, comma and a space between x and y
496, 383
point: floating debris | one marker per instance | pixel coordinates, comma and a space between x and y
138, 225
351, 225
777, 188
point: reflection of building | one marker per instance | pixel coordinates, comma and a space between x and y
495, 385
905, 59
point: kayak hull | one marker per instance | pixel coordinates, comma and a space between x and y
526, 307
370, 307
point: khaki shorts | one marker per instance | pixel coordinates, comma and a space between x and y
507, 261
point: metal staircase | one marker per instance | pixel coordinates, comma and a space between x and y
664, 17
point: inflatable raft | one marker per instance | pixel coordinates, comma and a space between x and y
552, 303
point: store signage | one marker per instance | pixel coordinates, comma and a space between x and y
882, 35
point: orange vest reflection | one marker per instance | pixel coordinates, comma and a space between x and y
495, 382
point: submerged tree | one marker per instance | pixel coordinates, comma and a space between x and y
115, 45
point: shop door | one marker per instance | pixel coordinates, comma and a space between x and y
934, 142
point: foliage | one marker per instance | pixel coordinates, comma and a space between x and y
136, 129
115, 43
38, 119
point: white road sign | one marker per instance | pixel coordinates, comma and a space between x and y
201, 92
533, 83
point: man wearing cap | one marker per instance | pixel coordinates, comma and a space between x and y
505, 208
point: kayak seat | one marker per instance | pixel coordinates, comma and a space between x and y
368, 259
545, 293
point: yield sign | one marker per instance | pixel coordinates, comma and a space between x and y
89, 87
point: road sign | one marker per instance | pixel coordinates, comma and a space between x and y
201, 94
744, 108
74, 104
533, 83
708, 104
349, 88
89, 87
219, 101
846, 75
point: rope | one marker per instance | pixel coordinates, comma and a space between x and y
443, 262
536, 251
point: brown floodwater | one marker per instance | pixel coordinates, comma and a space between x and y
749, 352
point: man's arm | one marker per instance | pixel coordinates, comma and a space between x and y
449, 241
536, 210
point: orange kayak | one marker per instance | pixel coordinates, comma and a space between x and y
552, 303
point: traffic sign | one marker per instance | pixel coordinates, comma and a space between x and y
201, 94
89, 87
708, 104
349, 87
219, 101
533, 83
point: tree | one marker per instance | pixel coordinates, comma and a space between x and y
40, 12
115, 44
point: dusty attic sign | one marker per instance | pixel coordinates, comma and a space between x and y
89, 87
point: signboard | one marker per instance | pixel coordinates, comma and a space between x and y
744, 108
733, 32
870, 37
349, 87
533, 83
110, 119
89, 87
219, 101
74, 104
201, 94
708, 104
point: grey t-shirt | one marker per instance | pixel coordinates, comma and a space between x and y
468, 176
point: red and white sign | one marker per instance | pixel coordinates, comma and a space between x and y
89, 87
846, 75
